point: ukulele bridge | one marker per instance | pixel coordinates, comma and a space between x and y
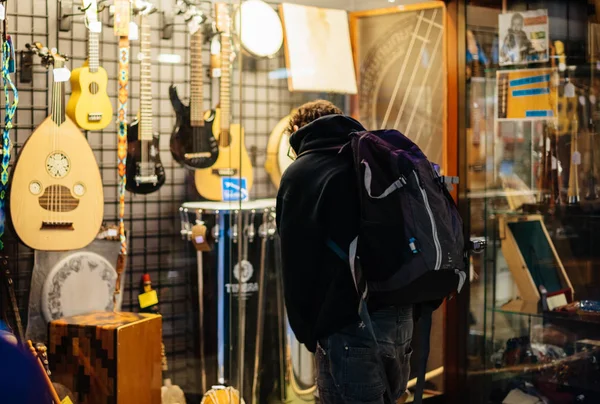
95, 117
225, 172
196, 155
57, 226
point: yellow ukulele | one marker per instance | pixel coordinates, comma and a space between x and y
231, 177
89, 105
56, 195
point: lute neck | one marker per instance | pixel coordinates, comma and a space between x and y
145, 132
93, 51
57, 109
197, 90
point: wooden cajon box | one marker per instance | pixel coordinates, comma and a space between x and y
108, 358
533, 261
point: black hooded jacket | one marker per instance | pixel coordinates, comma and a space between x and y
317, 199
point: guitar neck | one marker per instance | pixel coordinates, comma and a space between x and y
225, 91
93, 51
196, 96
145, 132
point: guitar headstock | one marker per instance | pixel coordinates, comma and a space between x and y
90, 8
223, 19
50, 57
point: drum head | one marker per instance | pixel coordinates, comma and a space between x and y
224, 207
259, 28
80, 283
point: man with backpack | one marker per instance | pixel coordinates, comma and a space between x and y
363, 216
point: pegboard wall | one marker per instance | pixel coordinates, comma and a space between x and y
155, 244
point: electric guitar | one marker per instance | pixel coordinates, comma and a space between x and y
56, 200
89, 105
193, 144
231, 176
145, 172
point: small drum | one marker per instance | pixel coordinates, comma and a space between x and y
258, 28
278, 147
80, 283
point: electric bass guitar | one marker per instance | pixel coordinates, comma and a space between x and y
145, 172
89, 105
56, 199
231, 177
193, 144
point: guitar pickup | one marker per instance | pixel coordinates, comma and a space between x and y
225, 172
196, 155
95, 117
146, 179
57, 226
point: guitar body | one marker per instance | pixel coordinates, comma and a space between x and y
89, 105
58, 213
208, 180
193, 147
134, 158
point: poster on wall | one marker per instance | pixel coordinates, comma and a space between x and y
317, 49
527, 94
523, 37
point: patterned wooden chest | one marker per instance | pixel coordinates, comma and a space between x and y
108, 358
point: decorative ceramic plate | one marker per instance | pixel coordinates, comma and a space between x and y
79, 283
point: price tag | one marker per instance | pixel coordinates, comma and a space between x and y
2, 12
582, 100
576, 158
112, 233
133, 31
199, 239
95, 27
61, 74
554, 163
148, 299
593, 99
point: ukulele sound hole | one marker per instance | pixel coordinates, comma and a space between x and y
58, 198
94, 88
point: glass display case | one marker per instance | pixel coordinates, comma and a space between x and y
532, 159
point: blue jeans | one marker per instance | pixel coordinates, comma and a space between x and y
348, 371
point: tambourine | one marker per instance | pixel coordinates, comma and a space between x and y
258, 28
277, 152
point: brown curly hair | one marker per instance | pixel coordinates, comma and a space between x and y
310, 111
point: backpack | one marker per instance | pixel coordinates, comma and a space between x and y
410, 231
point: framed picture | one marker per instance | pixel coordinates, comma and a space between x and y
523, 37
526, 94
399, 54
317, 49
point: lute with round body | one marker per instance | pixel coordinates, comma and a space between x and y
56, 196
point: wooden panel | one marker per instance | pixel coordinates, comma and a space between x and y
139, 373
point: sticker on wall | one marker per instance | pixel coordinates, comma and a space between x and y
234, 189
526, 94
523, 37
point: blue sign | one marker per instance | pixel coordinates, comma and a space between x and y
234, 189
